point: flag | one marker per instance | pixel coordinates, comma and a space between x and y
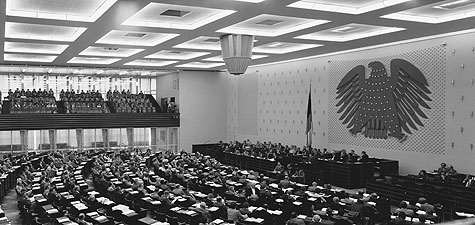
309, 128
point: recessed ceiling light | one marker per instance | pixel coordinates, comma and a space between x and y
135, 35
283, 47
34, 47
174, 13
202, 42
343, 6
176, 55
349, 32
122, 37
175, 16
42, 32
147, 62
439, 12
71, 10
269, 22
271, 25
346, 29
455, 4
29, 58
202, 65
110, 51
93, 60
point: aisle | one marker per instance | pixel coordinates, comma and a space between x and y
10, 207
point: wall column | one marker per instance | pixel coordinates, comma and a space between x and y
80, 138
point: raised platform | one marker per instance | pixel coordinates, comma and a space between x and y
87, 121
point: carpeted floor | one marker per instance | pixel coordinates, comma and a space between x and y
10, 207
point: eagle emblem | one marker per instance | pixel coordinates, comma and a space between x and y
383, 105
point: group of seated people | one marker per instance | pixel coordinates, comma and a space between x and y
83, 102
421, 213
447, 174
126, 102
41, 101
271, 150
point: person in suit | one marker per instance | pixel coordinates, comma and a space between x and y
252, 193
201, 209
403, 208
294, 220
245, 209
335, 204
425, 206
234, 214
364, 157
400, 220
285, 183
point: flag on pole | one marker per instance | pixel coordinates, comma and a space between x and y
309, 129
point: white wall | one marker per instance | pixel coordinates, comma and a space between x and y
283, 94
168, 86
203, 104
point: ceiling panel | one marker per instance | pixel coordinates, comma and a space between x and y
438, 12
42, 32
349, 32
74, 10
92, 60
29, 57
124, 36
176, 54
271, 25
135, 38
34, 47
175, 16
110, 51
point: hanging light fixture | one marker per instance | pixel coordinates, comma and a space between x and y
237, 51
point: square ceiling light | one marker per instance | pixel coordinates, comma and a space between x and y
345, 6
147, 62
93, 60
349, 32
175, 16
42, 32
219, 58
176, 55
202, 65
135, 38
271, 25
72, 10
110, 51
283, 47
34, 48
251, 1
203, 42
438, 12
29, 58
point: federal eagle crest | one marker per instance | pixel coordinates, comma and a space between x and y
383, 105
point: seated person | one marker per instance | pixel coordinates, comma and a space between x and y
245, 209
403, 208
294, 220
234, 214
422, 175
205, 215
262, 212
443, 170
364, 157
469, 181
400, 219
285, 183
425, 206
279, 168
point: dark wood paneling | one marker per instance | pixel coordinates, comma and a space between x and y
87, 121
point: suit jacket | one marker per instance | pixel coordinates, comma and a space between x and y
234, 214
249, 191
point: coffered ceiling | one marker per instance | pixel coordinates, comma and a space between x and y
184, 34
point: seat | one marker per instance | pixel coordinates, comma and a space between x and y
162, 217
172, 220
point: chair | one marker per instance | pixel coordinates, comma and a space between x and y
172, 220
162, 217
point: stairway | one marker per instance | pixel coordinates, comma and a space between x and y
154, 103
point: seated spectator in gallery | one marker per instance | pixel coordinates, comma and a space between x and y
234, 214
451, 171
344, 157
352, 156
245, 209
469, 181
364, 157
443, 170
299, 175
423, 175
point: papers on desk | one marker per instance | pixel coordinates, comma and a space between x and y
174, 209
301, 185
287, 189
312, 199
62, 219
465, 214
52, 211
274, 212
252, 208
151, 187
297, 203
92, 214
213, 209
420, 212
274, 185
279, 200
254, 220
372, 203
302, 216
93, 193
218, 221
